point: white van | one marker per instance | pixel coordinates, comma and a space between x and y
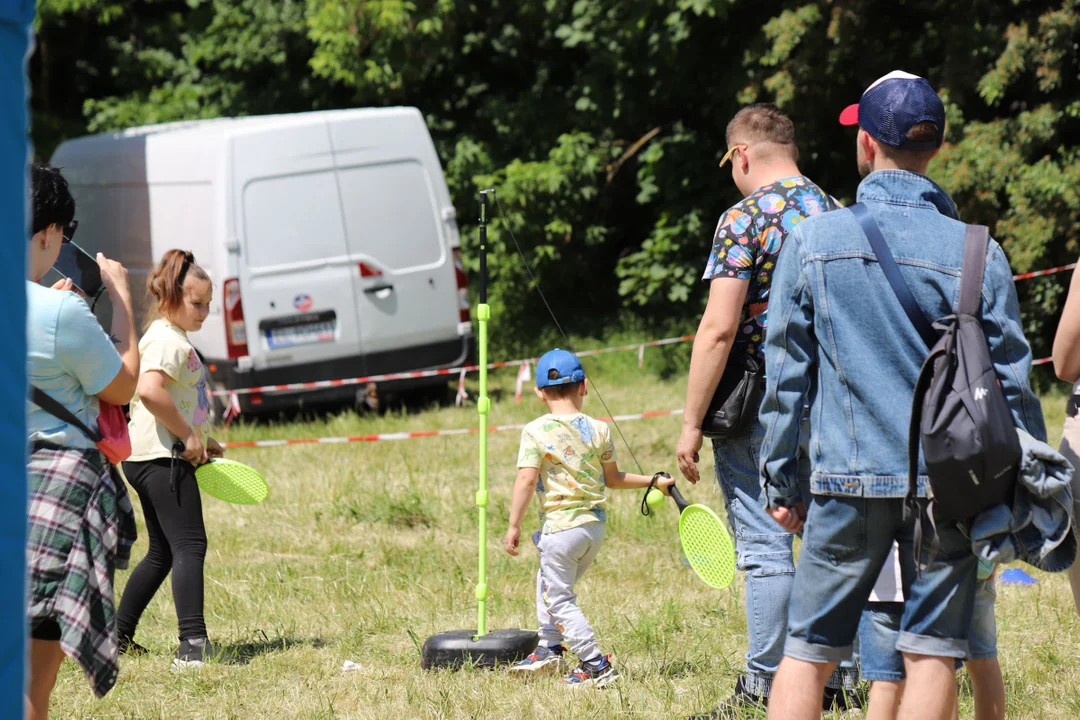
329, 236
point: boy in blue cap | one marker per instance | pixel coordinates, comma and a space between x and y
568, 459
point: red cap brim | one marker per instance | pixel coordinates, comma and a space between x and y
850, 116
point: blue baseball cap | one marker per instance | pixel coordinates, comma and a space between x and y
564, 362
893, 105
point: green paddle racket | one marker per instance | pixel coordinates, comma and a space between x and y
706, 542
232, 482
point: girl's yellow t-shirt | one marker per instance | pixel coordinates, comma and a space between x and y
165, 348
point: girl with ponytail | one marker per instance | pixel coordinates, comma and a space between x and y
170, 437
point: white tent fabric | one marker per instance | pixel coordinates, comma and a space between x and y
16, 17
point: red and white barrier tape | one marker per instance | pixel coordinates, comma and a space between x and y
1040, 273
414, 435
417, 434
523, 377
323, 384
462, 393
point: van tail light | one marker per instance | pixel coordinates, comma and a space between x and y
462, 286
369, 271
235, 331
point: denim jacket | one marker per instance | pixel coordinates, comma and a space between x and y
1037, 526
839, 339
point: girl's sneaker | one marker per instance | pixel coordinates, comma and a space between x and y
542, 659
595, 674
130, 647
195, 653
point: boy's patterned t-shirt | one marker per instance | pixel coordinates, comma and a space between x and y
747, 241
568, 451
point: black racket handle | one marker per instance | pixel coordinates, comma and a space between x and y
680, 501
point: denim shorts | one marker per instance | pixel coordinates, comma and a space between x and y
845, 544
880, 627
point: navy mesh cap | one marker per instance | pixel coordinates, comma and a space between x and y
893, 105
564, 363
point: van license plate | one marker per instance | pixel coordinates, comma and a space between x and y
300, 335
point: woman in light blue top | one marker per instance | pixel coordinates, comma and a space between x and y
81, 525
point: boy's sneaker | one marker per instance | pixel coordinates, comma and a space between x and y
130, 647
596, 674
542, 659
195, 653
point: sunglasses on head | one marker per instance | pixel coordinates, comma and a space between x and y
741, 147
69, 230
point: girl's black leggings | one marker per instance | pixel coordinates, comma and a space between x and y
174, 523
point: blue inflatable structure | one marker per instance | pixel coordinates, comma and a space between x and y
16, 17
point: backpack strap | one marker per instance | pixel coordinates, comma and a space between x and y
913, 505
976, 239
917, 539
888, 265
58, 411
926, 377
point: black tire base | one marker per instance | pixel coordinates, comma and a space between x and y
457, 648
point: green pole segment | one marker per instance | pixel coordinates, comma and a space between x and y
483, 405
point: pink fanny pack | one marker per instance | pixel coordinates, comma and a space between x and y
112, 437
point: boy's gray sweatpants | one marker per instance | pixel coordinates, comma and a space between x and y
564, 558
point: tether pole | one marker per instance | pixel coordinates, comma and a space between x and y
483, 405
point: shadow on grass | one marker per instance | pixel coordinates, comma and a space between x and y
244, 653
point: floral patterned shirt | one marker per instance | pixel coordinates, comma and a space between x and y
569, 451
747, 241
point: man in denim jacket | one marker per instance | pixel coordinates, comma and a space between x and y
840, 340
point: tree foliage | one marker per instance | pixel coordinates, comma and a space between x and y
600, 122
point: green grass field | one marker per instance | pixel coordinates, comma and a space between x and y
364, 550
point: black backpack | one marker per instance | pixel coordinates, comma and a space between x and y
959, 415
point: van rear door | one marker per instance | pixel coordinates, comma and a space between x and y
406, 286
296, 277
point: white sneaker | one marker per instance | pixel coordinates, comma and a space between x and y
542, 659
592, 675
194, 653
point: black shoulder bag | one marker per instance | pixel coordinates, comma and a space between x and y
737, 399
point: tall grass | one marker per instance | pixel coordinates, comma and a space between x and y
362, 551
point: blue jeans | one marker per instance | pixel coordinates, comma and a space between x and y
763, 551
880, 628
846, 542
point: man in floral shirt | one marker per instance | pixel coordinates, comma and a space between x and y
761, 146
747, 241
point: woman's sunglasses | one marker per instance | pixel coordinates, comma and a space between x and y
69, 230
